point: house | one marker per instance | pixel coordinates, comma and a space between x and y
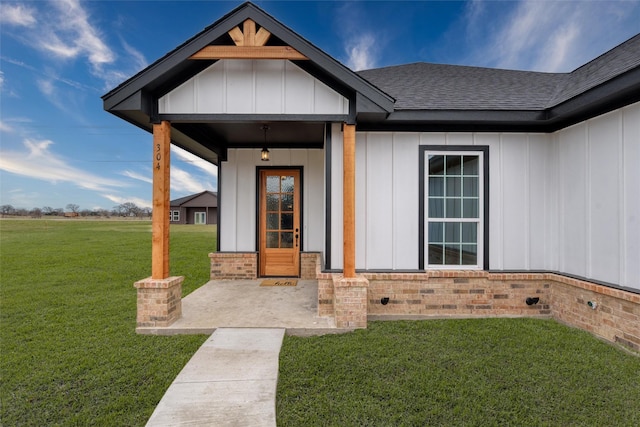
200, 208
420, 189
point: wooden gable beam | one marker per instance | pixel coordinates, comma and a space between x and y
248, 52
249, 44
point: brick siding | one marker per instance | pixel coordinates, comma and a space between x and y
159, 301
234, 265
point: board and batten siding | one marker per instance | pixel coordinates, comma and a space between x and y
245, 86
238, 196
567, 201
598, 195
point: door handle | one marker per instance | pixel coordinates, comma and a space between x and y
297, 235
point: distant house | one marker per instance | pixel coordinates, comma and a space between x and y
200, 208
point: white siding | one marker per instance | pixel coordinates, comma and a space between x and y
237, 86
238, 197
599, 198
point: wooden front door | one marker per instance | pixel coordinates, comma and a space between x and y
279, 237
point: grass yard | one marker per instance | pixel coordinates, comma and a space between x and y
69, 352
477, 372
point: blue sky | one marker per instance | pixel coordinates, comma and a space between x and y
58, 146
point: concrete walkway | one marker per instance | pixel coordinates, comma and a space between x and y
230, 381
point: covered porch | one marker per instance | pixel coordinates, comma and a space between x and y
246, 304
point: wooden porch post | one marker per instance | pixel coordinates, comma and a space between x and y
349, 200
161, 186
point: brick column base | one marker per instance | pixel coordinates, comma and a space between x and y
159, 301
350, 301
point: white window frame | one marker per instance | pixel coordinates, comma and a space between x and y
175, 216
479, 220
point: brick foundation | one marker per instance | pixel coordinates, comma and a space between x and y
310, 265
234, 265
159, 301
436, 294
350, 301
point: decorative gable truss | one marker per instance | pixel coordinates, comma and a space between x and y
252, 78
249, 44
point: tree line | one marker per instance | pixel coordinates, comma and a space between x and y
128, 210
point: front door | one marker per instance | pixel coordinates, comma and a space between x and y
280, 222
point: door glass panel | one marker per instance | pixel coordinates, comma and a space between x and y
273, 200
272, 239
273, 184
272, 221
287, 202
287, 184
287, 240
286, 221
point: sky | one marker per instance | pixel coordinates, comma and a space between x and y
57, 58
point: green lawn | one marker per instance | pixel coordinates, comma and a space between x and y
69, 352
479, 372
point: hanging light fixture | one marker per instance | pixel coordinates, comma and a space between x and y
264, 155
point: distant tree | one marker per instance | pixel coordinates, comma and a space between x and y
129, 209
145, 212
36, 213
58, 211
7, 210
117, 211
47, 210
71, 207
21, 212
85, 212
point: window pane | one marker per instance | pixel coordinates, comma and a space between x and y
454, 187
287, 240
436, 165
436, 187
469, 232
454, 165
272, 239
436, 234
287, 184
436, 254
470, 165
470, 208
469, 254
452, 232
273, 202
287, 202
470, 187
286, 221
273, 184
452, 254
454, 208
436, 208
272, 221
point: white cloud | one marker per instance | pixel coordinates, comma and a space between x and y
183, 182
17, 14
139, 177
39, 162
552, 36
4, 127
196, 161
361, 52
139, 202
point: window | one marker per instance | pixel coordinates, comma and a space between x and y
454, 204
200, 218
174, 216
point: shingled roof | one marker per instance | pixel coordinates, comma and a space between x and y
425, 86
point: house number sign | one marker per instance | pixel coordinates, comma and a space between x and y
158, 156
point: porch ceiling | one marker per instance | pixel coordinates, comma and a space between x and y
220, 136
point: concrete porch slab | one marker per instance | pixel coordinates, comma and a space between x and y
245, 304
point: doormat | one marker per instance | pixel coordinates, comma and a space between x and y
279, 282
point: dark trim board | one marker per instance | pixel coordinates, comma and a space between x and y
422, 149
327, 202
